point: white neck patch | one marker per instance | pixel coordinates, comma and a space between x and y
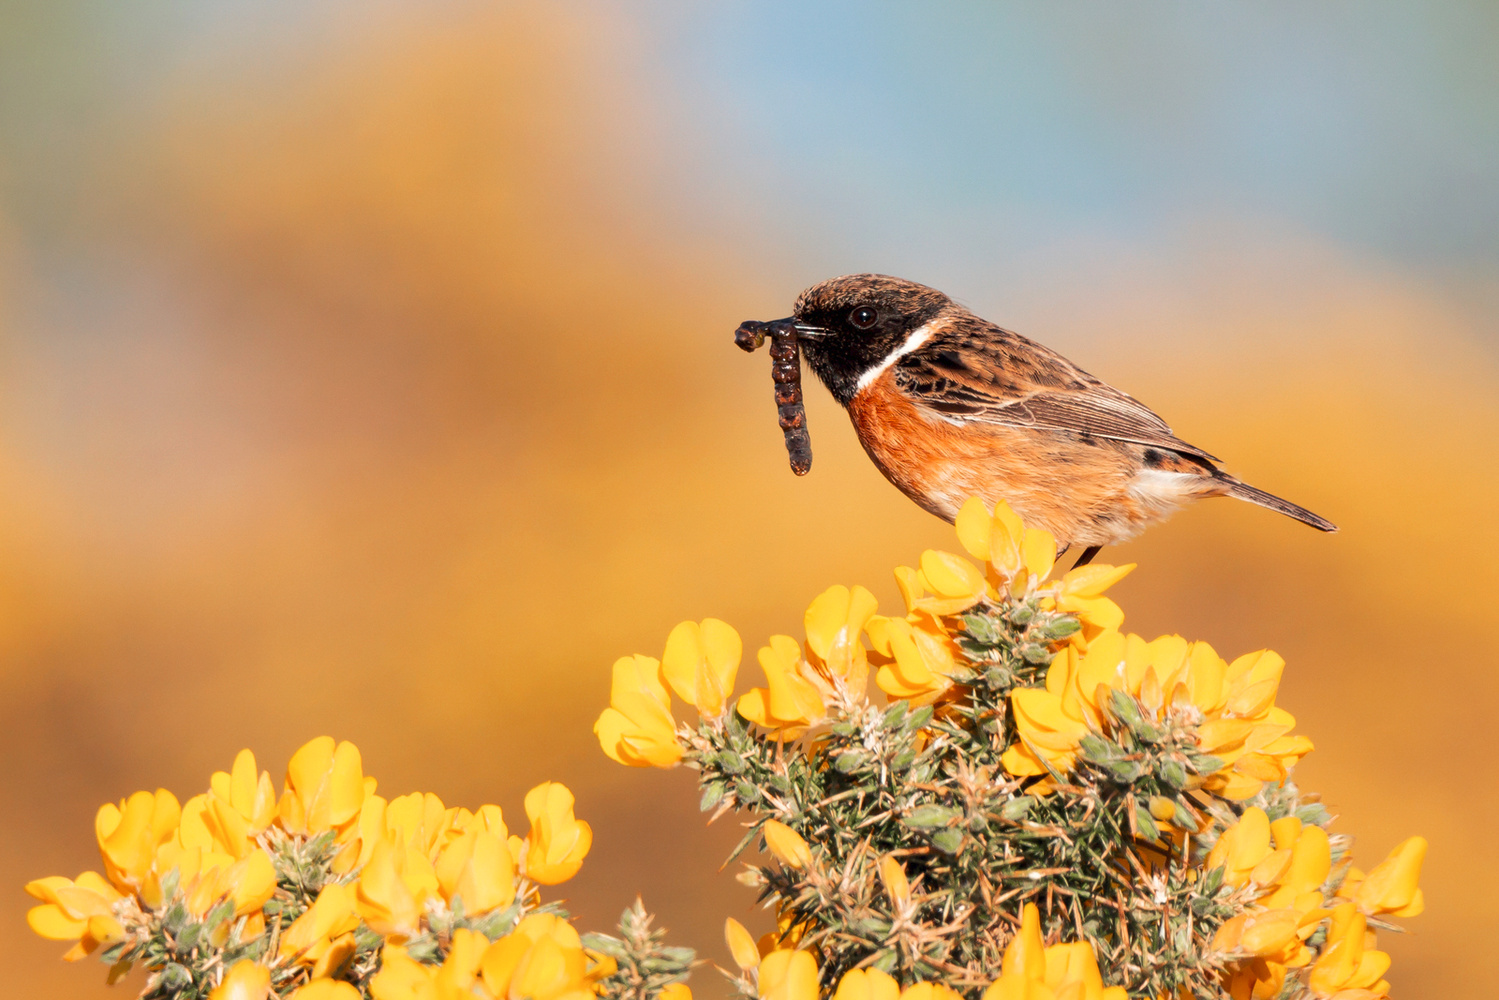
914, 340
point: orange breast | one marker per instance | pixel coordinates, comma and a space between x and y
1077, 489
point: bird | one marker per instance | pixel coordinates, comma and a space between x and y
950, 406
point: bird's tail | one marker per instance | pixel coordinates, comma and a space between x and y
1234, 488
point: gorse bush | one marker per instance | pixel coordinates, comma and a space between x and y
331, 892
1027, 773
1026, 804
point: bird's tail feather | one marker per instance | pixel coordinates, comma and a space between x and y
1244, 491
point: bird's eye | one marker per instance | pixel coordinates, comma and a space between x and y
864, 318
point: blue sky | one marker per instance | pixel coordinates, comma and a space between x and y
938, 133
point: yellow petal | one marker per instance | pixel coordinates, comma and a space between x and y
908, 582
1271, 867
723, 649
1392, 885
1092, 580
253, 882
867, 984
500, 961
1206, 673
1025, 955
326, 989
741, 945
896, 884
488, 879
1097, 611
951, 576
1039, 552
52, 923
1042, 722
46, 889
972, 525
557, 842
788, 975
1268, 932
638, 675
786, 844
247, 980
679, 663
1216, 734
130, 845
1005, 536
754, 705
1311, 860
1021, 761
700, 663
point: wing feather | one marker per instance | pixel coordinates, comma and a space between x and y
976, 372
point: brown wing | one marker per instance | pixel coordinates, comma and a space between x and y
974, 371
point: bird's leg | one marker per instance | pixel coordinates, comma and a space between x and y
1087, 555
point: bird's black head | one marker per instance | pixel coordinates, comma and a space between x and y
849, 325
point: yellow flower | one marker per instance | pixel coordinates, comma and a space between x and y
1047, 733
541, 960
1230, 708
419, 820
788, 975
675, 991
1288, 862
393, 887
789, 702
1080, 592
1307, 870
73, 910
786, 844
920, 656
478, 868
1024, 556
402, 978
1243, 847
249, 883
1347, 963
955, 584
867, 984
741, 945
1032, 971
239, 805
245, 981
700, 662
322, 937
130, 833
834, 621
325, 787
896, 884
786, 935
1270, 935
1391, 887
637, 728
557, 842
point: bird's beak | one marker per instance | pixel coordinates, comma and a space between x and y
808, 330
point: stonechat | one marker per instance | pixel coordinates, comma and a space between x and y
950, 406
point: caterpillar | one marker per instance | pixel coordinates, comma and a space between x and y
786, 373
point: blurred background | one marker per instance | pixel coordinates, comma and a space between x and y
366, 369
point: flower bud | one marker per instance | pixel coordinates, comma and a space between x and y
786, 844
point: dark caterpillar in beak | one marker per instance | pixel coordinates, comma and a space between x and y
786, 372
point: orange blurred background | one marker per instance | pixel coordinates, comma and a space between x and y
367, 370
